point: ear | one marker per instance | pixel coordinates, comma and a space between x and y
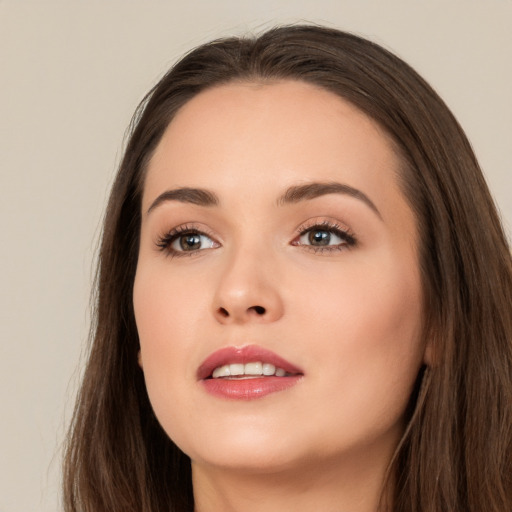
429, 357
139, 359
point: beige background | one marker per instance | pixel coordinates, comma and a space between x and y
71, 75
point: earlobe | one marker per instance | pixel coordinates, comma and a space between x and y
429, 358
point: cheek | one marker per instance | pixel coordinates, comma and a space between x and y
365, 303
166, 308
167, 325
366, 323
164, 341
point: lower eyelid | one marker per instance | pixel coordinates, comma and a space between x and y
327, 248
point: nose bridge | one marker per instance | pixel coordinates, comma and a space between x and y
248, 288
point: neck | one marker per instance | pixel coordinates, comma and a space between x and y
307, 487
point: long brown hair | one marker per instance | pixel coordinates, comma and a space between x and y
456, 454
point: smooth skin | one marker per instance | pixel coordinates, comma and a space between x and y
331, 283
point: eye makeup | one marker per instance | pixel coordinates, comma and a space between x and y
185, 240
317, 235
324, 236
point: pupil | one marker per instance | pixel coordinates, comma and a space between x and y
190, 242
319, 237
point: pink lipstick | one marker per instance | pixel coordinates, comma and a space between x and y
247, 373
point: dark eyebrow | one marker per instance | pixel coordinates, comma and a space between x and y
198, 196
299, 193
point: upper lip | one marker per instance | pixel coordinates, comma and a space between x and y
245, 354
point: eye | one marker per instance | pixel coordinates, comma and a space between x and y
325, 237
191, 242
320, 238
183, 240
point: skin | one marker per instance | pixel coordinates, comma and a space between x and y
349, 317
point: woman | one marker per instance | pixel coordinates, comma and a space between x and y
304, 295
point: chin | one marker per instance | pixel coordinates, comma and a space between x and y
250, 450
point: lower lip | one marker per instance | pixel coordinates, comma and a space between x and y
249, 389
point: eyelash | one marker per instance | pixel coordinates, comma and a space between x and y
164, 242
348, 238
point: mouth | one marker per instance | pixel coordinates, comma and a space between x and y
247, 372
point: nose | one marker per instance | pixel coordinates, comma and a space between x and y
248, 291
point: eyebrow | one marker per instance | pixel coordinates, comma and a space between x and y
299, 193
197, 196
292, 195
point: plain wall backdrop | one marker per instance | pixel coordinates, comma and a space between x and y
71, 75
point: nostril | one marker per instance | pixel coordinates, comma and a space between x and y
233, 314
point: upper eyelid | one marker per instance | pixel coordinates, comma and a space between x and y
191, 227
319, 222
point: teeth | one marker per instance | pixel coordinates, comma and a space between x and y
236, 369
221, 371
269, 369
253, 369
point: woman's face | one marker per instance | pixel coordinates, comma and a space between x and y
274, 231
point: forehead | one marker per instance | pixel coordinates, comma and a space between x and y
270, 134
